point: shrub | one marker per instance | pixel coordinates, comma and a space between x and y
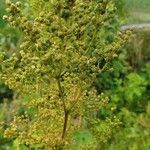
65, 44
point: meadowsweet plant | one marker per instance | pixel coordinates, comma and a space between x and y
62, 50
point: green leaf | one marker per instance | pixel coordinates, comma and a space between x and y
17, 146
82, 137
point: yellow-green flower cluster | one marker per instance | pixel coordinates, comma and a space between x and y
58, 60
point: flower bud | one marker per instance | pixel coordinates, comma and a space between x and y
10, 18
5, 17
115, 55
13, 23
33, 66
8, 2
8, 10
18, 4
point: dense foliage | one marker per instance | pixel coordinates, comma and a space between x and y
65, 44
128, 87
73, 84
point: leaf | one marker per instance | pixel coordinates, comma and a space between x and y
17, 146
82, 137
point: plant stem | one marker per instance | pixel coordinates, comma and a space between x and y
66, 112
65, 124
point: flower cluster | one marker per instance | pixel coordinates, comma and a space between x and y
56, 64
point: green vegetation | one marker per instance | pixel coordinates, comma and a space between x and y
138, 5
138, 11
64, 46
69, 82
